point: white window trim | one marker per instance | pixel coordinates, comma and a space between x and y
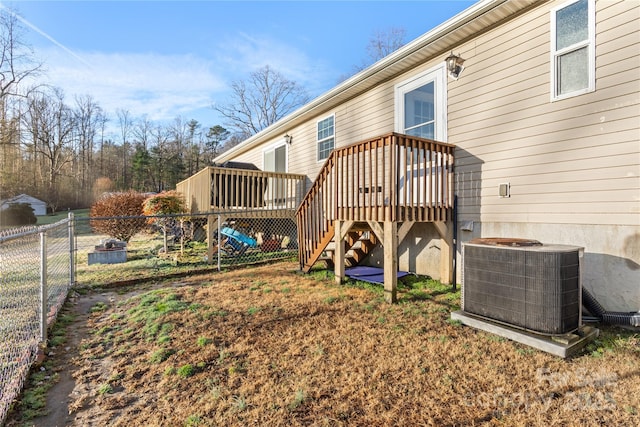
590, 43
318, 159
272, 147
438, 75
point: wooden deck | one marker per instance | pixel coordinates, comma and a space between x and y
231, 194
242, 192
385, 185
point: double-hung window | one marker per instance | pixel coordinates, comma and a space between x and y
326, 137
573, 49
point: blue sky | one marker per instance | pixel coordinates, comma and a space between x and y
165, 59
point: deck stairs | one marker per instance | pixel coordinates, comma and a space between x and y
357, 246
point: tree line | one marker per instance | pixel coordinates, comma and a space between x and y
57, 151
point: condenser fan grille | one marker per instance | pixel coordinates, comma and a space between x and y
536, 288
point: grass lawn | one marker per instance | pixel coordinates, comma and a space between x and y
268, 346
50, 219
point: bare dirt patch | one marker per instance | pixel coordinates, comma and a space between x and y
269, 346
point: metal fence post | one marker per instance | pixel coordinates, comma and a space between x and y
43, 286
72, 265
219, 241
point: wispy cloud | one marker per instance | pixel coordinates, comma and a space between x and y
158, 86
248, 52
162, 87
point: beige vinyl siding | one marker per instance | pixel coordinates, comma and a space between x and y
366, 116
303, 150
571, 161
253, 156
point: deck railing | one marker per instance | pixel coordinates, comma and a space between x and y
215, 189
394, 177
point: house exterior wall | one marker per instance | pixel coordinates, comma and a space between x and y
573, 165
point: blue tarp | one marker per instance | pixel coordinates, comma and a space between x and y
370, 274
237, 240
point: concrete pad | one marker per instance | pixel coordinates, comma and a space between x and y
108, 257
561, 346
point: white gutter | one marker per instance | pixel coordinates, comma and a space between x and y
356, 80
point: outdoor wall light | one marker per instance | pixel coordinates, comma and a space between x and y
454, 65
288, 138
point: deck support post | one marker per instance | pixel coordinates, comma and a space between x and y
339, 250
390, 247
446, 251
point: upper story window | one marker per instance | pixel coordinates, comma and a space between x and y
326, 137
573, 48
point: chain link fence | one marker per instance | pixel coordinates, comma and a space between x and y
48, 260
253, 240
36, 272
171, 244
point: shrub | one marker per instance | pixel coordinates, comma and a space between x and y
114, 205
161, 355
18, 214
165, 203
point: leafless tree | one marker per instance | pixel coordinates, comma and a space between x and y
142, 131
264, 98
231, 142
88, 118
17, 61
159, 157
126, 124
50, 124
384, 42
103, 125
11, 163
179, 132
381, 44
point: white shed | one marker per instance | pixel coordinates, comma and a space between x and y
39, 207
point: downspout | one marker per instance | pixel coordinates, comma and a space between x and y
455, 239
613, 318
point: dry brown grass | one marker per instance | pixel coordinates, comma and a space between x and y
272, 347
